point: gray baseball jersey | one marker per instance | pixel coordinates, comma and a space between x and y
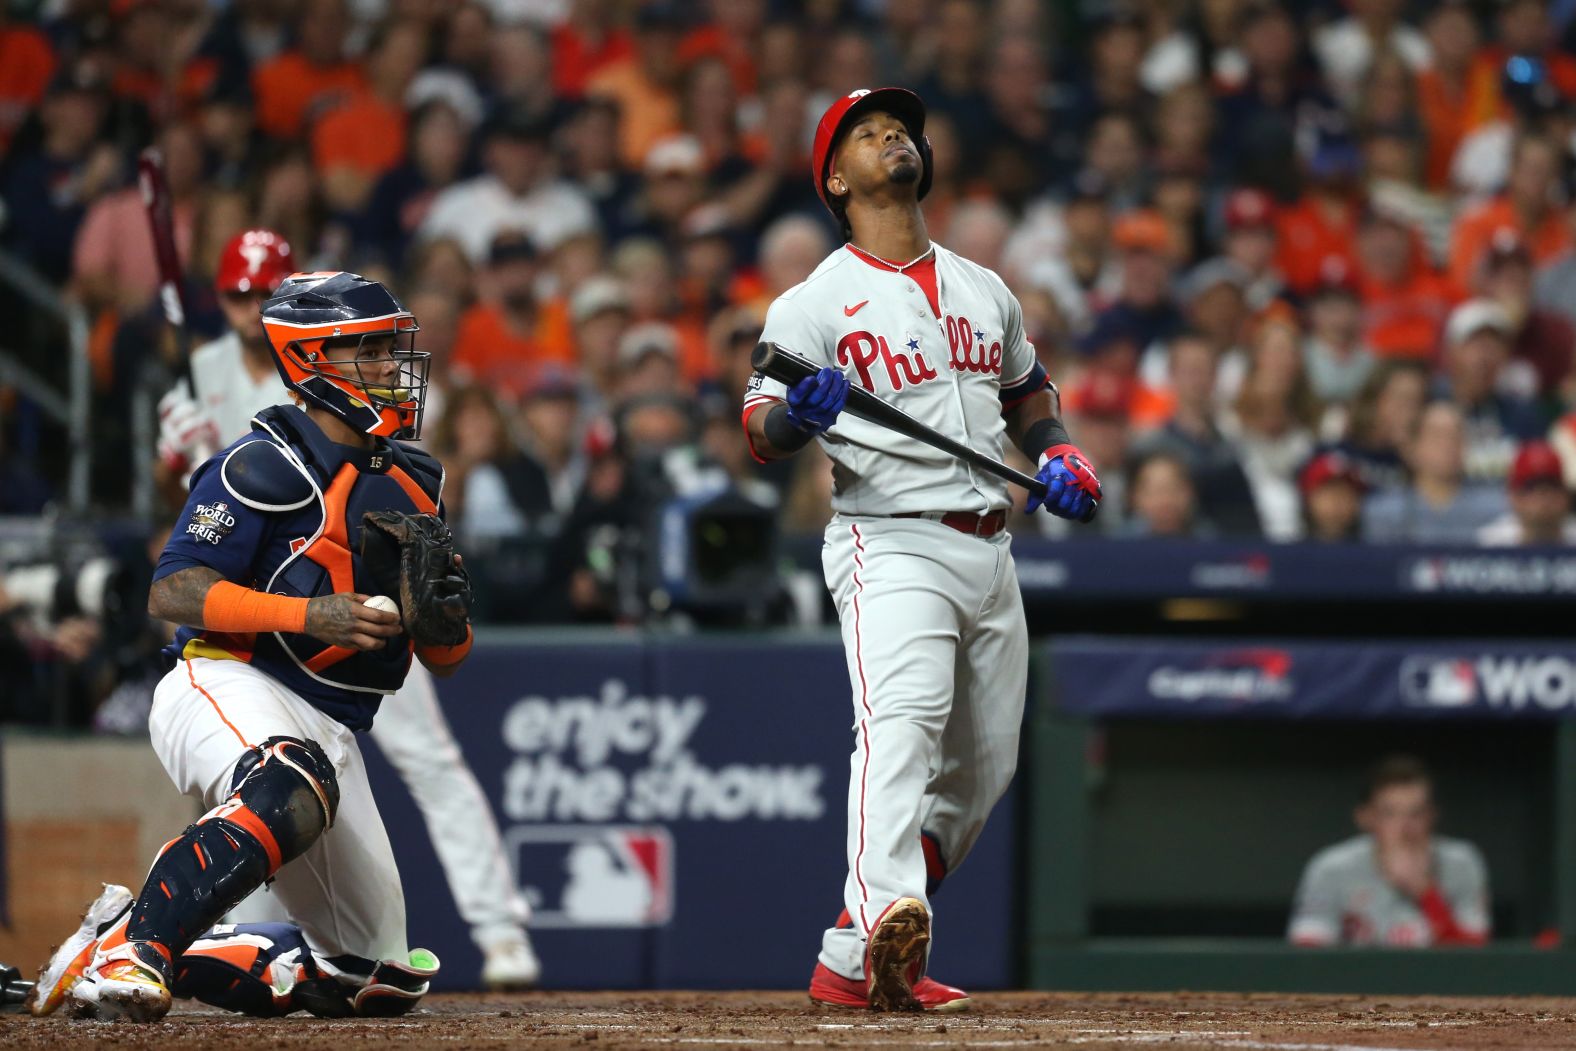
1344, 899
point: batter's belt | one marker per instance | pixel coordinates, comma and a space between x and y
986, 525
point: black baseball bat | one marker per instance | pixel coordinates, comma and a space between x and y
784, 365
159, 205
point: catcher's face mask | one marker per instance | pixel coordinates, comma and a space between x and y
372, 375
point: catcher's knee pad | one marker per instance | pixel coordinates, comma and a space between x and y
250, 968
285, 796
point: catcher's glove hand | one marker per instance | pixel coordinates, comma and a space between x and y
413, 556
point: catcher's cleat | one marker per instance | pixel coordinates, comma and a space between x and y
830, 989
510, 965
65, 966
895, 955
129, 981
395, 987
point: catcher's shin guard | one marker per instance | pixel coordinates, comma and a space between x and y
250, 968
285, 796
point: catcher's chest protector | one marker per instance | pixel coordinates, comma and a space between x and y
322, 539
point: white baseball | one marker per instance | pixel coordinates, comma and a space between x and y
382, 602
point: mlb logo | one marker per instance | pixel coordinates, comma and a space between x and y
1438, 682
594, 875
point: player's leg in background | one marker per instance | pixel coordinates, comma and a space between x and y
899, 607
415, 738
979, 747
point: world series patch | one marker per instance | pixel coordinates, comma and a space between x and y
211, 522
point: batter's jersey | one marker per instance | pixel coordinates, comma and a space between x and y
225, 387
1344, 899
943, 340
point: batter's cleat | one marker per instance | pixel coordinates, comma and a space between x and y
394, 987
130, 980
895, 955
511, 965
66, 964
830, 989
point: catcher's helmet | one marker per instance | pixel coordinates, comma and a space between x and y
840, 115
317, 320
253, 261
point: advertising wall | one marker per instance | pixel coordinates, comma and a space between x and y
674, 811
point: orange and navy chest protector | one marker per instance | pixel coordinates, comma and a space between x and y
280, 511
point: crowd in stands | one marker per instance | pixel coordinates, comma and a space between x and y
1301, 270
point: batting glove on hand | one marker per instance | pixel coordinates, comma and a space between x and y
1072, 490
187, 435
815, 401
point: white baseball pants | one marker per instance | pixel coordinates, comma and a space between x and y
937, 651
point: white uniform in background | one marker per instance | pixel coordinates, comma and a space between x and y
932, 619
410, 728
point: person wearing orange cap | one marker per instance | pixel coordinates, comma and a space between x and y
1540, 505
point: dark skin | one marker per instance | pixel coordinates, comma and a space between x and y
343, 619
876, 169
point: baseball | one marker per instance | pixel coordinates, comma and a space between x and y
382, 602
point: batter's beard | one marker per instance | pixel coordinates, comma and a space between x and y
905, 172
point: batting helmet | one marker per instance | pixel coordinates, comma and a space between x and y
312, 315
254, 261
840, 116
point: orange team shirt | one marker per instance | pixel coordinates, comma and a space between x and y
1405, 320
1476, 228
1445, 115
27, 62
576, 59
288, 87
366, 134
647, 112
490, 351
1306, 236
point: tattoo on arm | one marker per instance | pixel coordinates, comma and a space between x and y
179, 597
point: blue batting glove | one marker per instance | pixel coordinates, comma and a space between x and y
815, 401
1071, 489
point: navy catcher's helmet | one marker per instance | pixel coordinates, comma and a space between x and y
321, 319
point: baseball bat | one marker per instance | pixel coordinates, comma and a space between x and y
784, 365
160, 209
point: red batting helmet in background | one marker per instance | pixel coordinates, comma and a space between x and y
254, 261
840, 115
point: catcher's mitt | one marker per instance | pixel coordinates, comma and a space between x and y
412, 556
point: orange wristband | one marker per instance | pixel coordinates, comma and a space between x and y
230, 607
441, 655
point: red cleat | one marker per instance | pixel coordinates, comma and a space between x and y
830, 989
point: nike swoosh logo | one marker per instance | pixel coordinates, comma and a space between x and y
856, 308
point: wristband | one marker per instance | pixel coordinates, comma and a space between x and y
1042, 435
229, 607
781, 432
445, 655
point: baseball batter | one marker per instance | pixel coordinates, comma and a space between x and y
237, 378
280, 658
916, 555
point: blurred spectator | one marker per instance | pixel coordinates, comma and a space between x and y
1103, 424
1348, 47
1163, 501
674, 184
591, 160
492, 490
585, 42
599, 312
1322, 224
499, 339
114, 264
549, 418
298, 85
27, 62
648, 362
1540, 504
1445, 87
50, 184
442, 265
1064, 248
791, 248
1477, 351
1439, 505
1337, 359
1192, 436
1214, 294
438, 314
1332, 498
361, 138
1543, 341
1528, 208
645, 85
1404, 301
1396, 884
1144, 301
519, 66
403, 196
1271, 422
1383, 419
1250, 243
517, 191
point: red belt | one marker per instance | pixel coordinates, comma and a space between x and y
985, 525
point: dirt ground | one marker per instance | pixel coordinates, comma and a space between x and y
624, 1021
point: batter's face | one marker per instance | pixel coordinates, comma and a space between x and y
875, 153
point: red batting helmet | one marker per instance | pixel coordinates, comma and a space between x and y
254, 261
900, 102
